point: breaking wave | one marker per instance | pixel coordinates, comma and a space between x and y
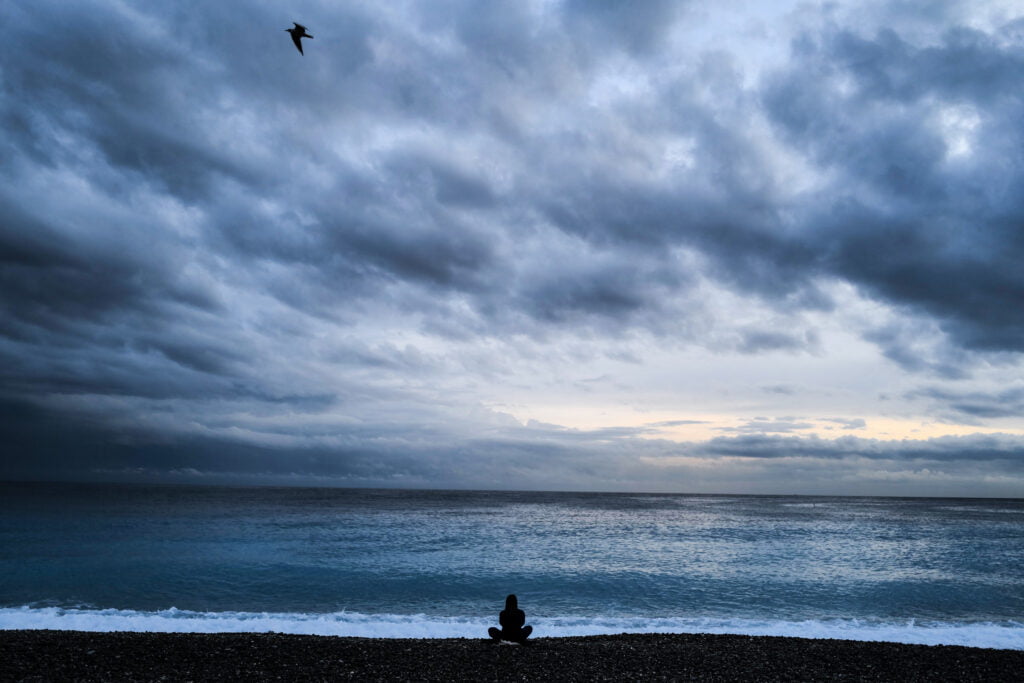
1003, 634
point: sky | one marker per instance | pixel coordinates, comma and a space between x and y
742, 247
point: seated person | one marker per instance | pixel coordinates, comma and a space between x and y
511, 619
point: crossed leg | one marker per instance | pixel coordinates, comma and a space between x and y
497, 634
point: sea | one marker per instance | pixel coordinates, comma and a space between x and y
439, 564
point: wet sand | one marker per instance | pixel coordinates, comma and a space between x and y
81, 656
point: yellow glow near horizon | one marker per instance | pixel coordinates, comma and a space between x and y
696, 427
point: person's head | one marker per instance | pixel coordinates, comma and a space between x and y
511, 602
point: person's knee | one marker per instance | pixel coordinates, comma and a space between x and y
494, 633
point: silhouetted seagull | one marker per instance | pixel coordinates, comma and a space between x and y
298, 33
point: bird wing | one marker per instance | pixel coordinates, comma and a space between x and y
298, 42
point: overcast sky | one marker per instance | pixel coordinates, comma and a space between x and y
737, 247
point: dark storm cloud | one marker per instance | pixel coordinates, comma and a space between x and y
602, 284
755, 341
978, 448
88, 316
906, 220
931, 235
976, 404
108, 83
414, 456
80, 450
534, 456
739, 239
202, 231
124, 107
635, 27
900, 342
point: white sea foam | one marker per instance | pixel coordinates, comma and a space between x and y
1003, 635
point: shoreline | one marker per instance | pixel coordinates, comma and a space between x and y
37, 655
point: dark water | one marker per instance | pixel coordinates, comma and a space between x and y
440, 563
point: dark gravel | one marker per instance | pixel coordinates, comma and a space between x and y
80, 656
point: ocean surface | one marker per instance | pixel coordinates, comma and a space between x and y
387, 563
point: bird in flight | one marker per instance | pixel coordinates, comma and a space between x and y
298, 33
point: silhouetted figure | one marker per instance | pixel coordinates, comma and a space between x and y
298, 33
512, 620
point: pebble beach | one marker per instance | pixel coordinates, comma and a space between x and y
41, 655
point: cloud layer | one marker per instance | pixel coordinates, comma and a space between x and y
219, 257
